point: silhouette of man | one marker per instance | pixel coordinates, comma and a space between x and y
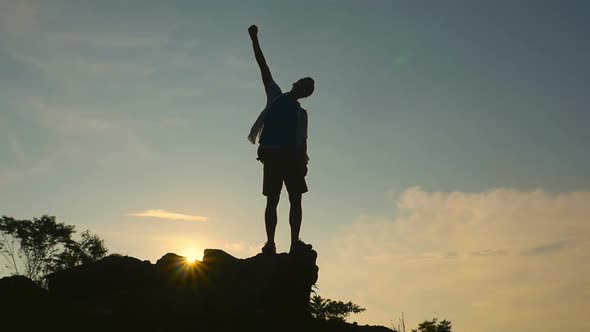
282, 131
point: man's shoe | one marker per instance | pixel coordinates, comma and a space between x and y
269, 248
299, 246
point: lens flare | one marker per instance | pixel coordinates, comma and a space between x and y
192, 255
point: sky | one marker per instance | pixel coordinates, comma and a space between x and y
448, 143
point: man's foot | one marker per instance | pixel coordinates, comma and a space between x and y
269, 248
299, 246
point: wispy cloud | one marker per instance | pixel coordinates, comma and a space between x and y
110, 39
123, 52
14, 146
548, 248
163, 214
36, 167
489, 252
91, 134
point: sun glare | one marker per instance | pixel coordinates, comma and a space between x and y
192, 255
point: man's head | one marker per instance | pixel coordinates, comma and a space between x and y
303, 88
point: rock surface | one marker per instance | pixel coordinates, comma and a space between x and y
220, 293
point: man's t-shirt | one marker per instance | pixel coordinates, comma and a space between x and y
282, 124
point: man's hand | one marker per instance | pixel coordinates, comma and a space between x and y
264, 70
253, 31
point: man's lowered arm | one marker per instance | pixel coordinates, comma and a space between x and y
264, 70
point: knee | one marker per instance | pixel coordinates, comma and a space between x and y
272, 201
295, 199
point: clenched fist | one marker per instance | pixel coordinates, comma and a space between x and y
253, 31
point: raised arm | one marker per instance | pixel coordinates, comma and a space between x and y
264, 70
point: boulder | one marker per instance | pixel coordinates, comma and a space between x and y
24, 305
221, 289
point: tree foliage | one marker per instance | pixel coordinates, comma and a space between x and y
434, 326
36, 247
89, 249
326, 309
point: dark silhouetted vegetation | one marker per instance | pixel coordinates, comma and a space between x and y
37, 247
434, 326
330, 310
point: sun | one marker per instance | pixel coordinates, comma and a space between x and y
192, 255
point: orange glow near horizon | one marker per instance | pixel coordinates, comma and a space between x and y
192, 255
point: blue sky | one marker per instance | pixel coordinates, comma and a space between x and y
425, 114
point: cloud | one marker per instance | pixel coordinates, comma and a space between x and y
15, 150
88, 134
489, 252
34, 168
548, 248
97, 55
450, 254
110, 40
163, 214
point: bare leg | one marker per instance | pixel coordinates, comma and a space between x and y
270, 217
295, 216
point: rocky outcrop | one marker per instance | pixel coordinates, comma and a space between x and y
19, 291
221, 290
24, 305
220, 293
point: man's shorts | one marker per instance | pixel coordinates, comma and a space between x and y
283, 166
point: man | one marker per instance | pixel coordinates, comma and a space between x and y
282, 132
